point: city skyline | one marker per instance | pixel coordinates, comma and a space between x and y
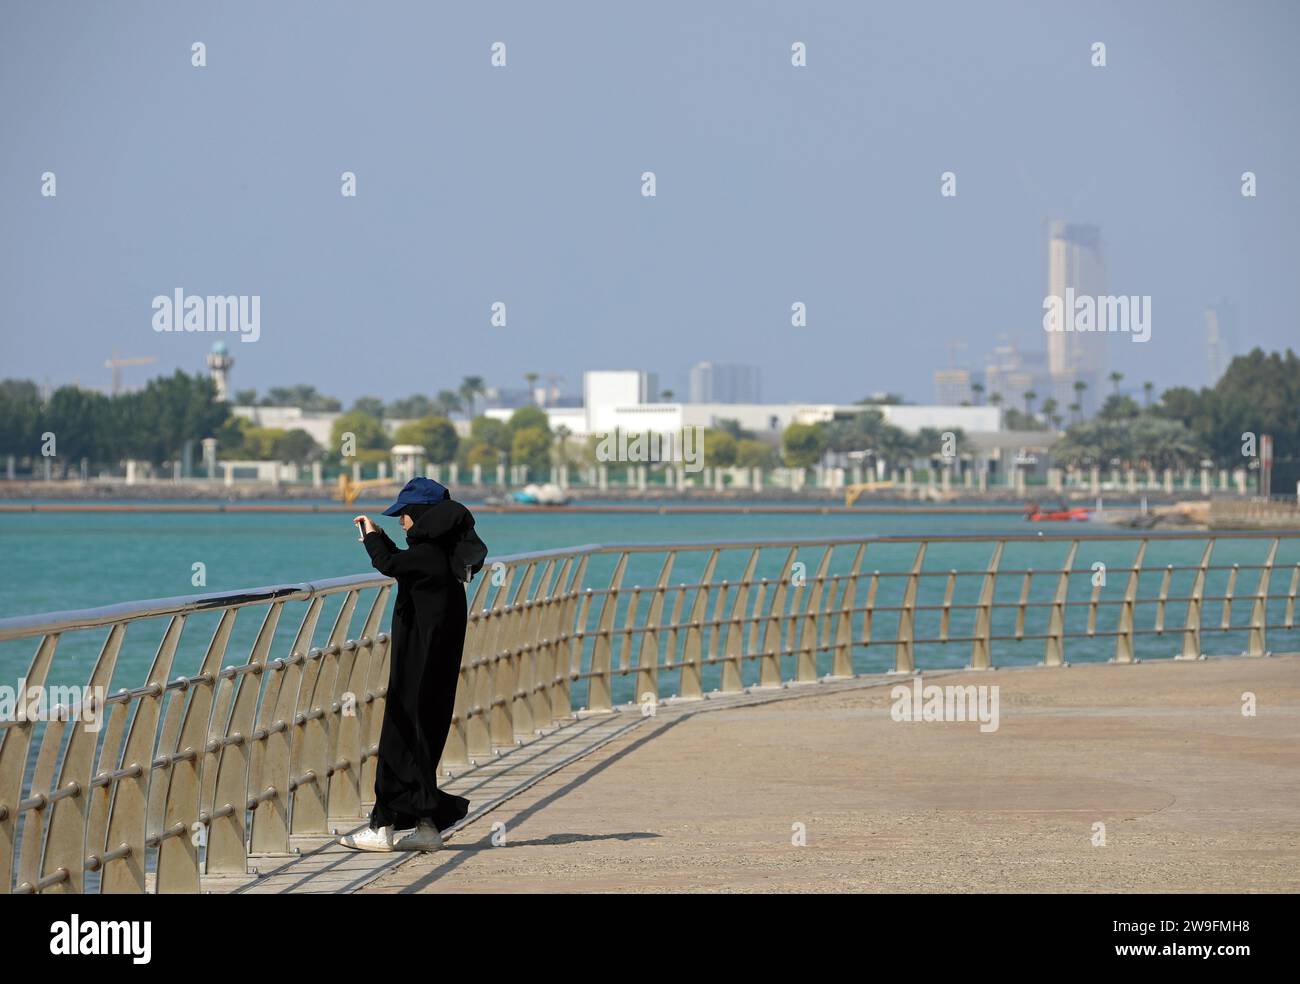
765, 197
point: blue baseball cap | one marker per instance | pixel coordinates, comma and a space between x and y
418, 491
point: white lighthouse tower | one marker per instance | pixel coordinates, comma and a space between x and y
219, 363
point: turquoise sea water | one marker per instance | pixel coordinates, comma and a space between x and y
58, 561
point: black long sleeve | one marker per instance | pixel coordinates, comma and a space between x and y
385, 556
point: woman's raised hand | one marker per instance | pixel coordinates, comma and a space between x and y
364, 524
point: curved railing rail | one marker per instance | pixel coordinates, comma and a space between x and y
174, 778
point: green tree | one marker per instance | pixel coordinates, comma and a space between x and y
492, 432
436, 435
1119, 407
371, 440
475, 452
20, 408
447, 402
531, 446
532, 418
372, 406
471, 387
1257, 394
733, 428
410, 408
259, 443
755, 454
295, 446
719, 448
170, 412
804, 445
302, 396
80, 421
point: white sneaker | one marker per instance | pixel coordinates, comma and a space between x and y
369, 839
424, 837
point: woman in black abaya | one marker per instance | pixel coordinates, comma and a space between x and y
428, 636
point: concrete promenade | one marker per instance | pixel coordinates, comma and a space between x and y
704, 797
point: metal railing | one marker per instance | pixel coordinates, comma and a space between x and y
177, 778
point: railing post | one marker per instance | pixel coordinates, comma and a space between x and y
568, 658
178, 855
1259, 610
1192, 628
481, 711
551, 673
769, 663
351, 711
1163, 601
1288, 620
1026, 581
269, 770
1124, 636
309, 757
733, 646
981, 656
904, 650
15, 742
1227, 596
513, 720
34, 824
1054, 650
842, 662
463, 718
693, 646
647, 673
534, 659
127, 815
598, 683
69, 818
806, 654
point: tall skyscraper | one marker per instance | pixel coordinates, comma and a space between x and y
1074, 260
713, 382
952, 387
1220, 333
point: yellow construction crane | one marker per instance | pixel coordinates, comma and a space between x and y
851, 492
348, 490
116, 365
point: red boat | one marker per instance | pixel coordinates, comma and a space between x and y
1057, 515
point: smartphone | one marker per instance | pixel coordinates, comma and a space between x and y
361, 530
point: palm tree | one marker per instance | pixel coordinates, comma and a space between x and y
470, 387
995, 399
562, 435
1049, 409
447, 401
667, 396
531, 379
1147, 387
1030, 396
1077, 410
978, 390
1115, 378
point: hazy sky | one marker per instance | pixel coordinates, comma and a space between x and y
522, 184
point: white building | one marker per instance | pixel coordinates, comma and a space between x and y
316, 423
616, 401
